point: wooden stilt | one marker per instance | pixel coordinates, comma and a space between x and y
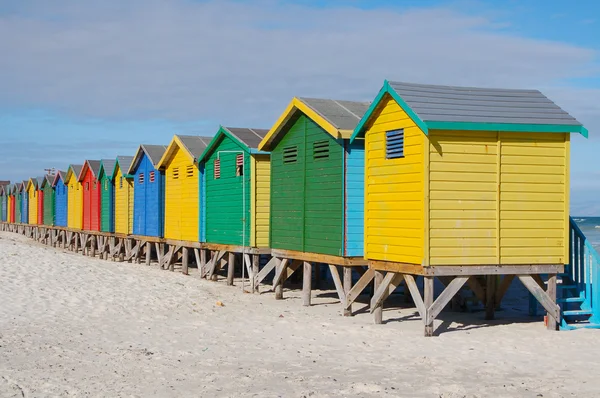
184, 261
427, 302
378, 311
230, 268
203, 263
347, 288
255, 269
148, 253
553, 322
306, 284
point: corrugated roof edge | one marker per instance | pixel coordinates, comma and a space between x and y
470, 126
213, 143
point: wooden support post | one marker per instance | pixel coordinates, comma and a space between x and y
148, 253
230, 268
490, 296
427, 303
306, 284
255, 269
92, 246
203, 263
553, 322
347, 288
378, 311
277, 281
184, 261
549, 303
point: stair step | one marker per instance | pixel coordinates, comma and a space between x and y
579, 325
564, 287
577, 312
571, 300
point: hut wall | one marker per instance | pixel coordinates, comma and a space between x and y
227, 205
262, 190
107, 206
18, 207
49, 205
32, 204
3, 207
181, 198
91, 202
11, 209
307, 208
75, 205
394, 189
498, 198
24, 207
148, 199
40, 207
355, 198
123, 203
61, 203
202, 199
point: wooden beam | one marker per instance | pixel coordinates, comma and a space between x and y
541, 296
403, 268
230, 268
415, 294
262, 274
453, 270
212, 264
338, 283
360, 285
184, 260
306, 283
382, 291
551, 292
428, 303
347, 311
443, 299
279, 272
319, 258
476, 288
502, 288
255, 270
378, 311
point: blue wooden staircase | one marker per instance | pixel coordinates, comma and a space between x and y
578, 289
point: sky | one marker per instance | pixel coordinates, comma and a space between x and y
91, 80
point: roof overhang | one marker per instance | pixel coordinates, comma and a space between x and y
425, 125
296, 105
175, 144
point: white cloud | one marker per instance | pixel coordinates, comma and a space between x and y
240, 63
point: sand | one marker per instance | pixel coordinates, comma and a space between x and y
77, 326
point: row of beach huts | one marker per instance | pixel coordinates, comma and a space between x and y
466, 185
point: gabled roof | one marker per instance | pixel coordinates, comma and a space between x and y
59, 175
473, 108
193, 146
23, 185
74, 169
124, 162
337, 117
247, 138
4, 187
107, 167
47, 180
154, 153
93, 165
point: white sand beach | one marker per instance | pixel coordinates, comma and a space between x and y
76, 326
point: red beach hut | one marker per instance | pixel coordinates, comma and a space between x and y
91, 195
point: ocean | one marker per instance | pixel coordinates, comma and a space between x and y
590, 226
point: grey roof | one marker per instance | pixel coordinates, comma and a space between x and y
344, 115
195, 144
94, 165
76, 169
250, 137
48, 179
109, 166
483, 105
39, 180
124, 162
154, 153
59, 173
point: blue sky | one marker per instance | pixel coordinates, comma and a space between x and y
95, 79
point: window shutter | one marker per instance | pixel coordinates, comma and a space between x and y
152, 176
394, 144
141, 178
290, 154
190, 171
321, 150
217, 171
175, 173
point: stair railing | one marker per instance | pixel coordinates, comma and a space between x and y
584, 269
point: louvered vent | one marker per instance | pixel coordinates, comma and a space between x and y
394, 144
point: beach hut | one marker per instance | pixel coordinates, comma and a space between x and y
48, 196
10, 195
39, 201
32, 200
3, 203
18, 202
24, 202
88, 178
123, 196
316, 178
237, 189
61, 200
465, 181
107, 195
148, 189
183, 186
74, 197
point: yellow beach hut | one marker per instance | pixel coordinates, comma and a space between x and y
123, 196
32, 192
465, 181
183, 182
74, 198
